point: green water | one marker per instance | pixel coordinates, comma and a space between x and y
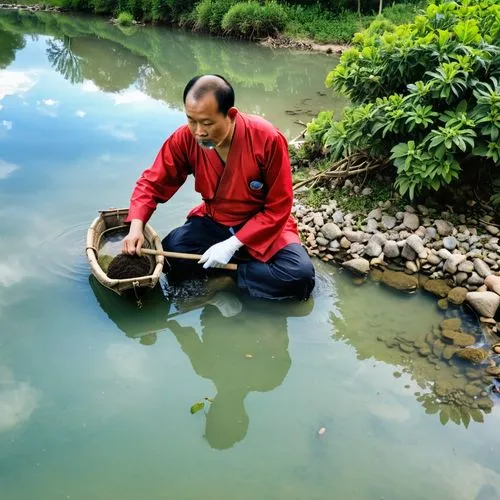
95, 394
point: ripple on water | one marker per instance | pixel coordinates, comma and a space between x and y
63, 254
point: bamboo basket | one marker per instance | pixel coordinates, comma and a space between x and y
113, 220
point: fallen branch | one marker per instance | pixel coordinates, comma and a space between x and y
355, 164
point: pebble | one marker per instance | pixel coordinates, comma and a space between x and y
450, 243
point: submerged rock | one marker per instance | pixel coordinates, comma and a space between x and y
361, 266
399, 280
475, 356
458, 338
457, 295
437, 287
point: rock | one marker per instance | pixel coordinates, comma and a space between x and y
484, 303
322, 242
450, 243
433, 259
472, 390
379, 238
451, 265
338, 217
408, 253
458, 338
444, 254
318, 220
334, 246
481, 268
442, 304
373, 249
494, 371
399, 280
472, 354
443, 227
457, 295
371, 225
345, 243
367, 191
411, 266
430, 233
492, 230
461, 278
449, 352
411, 221
388, 222
450, 324
391, 249
415, 243
493, 283
361, 266
437, 287
466, 266
485, 403
475, 279
331, 231
357, 248
375, 214
354, 236
423, 210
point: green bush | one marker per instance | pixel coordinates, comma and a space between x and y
209, 14
253, 20
425, 94
125, 19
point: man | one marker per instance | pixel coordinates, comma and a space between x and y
242, 171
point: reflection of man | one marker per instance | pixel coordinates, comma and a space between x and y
240, 354
242, 171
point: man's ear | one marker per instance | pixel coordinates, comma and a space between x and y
232, 112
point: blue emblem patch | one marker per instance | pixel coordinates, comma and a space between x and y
256, 185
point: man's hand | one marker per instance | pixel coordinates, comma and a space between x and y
132, 243
220, 253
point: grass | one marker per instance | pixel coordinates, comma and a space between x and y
322, 26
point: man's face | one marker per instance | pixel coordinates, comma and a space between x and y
209, 127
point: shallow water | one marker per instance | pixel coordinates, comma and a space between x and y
324, 399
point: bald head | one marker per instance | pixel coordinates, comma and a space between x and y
199, 86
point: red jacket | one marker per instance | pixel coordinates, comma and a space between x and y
259, 152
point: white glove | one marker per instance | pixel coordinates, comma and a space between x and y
220, 253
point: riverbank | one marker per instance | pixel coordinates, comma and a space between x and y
299, 27
452, 253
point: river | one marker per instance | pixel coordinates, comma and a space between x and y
323, 399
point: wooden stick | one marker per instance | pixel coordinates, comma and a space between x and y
187, 256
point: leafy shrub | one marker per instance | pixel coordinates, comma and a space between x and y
252, 20
125, 19
209, 14
427, 92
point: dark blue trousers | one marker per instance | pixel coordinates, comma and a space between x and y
288, 274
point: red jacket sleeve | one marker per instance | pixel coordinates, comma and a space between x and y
161, 181
262, 229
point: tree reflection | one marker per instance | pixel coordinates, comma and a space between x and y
9, 44
63, 60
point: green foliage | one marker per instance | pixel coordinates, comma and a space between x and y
209, 14
125, 19
320, 25
253, 20
434, 81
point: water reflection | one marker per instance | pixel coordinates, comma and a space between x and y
455, 390
245, 353
18, 400
159, 62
